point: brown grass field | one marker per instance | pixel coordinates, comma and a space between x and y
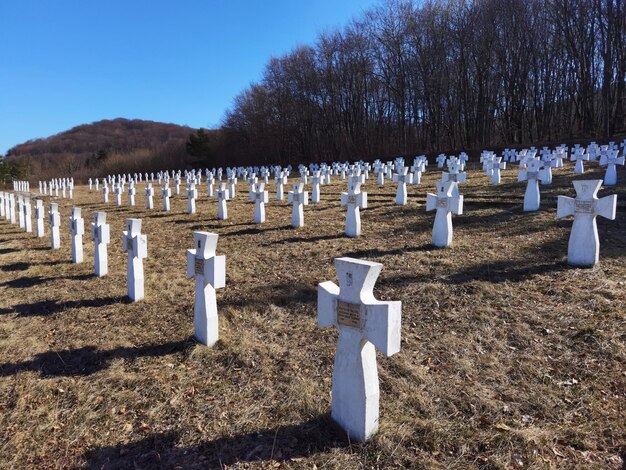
510, 359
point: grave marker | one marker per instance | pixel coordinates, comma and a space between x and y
365, 324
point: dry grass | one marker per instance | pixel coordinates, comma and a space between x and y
510, 359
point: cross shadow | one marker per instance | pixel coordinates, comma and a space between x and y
255, 230
87, 360
6, 251
305, 239
377, 253
50, 307
24, 282
280, 443
281, 294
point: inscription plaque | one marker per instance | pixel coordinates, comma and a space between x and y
199, 266
532, 175
453, 177
585, 207
351, 199
442, 202
348, 314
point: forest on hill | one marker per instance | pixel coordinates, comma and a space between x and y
117, 144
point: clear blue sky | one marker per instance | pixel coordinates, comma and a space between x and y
69, 62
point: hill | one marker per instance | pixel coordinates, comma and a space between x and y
112, 136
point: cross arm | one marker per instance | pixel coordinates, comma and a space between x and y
606, 206
431, 201
327, 295
382, 325
565, 206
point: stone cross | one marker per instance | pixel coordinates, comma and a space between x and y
10, 208
496, 165
281, 180
579, 156
260, 199
445, 203
298, 198
354, 199
28, 219
2, 203
166, 192
177, 184
210, 182
533, 173
100, 234
131, 193
380, 175
210, 273
97, 184
105, 192
402, 178
192, 194
222, 195
117, 189
316, 180
149, 196
39, 217
610, 160
441, 160
232, 182
365, 324
20, 210
584, 243
54, 219
77, 229
136, 245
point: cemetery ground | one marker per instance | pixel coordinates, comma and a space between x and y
510, 358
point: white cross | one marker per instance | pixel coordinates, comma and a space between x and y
365, 324
299, 198
166, 192
533, 173
149, 196
39, 218
210, 273
354, 199
496, 165
610, 160
55, 224
77, 229
445, 202
280, 180
20, 210
131, 193
136, 245
584, 243
402, 178
579, 156
28, 223
260, 199
192, 194
222, 195
232, 182
101, 237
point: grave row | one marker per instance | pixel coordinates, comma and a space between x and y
364, 323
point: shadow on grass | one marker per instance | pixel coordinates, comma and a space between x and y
305, 239
88, 360
21, 266
50, 307
281, 444
281, 295
377, 253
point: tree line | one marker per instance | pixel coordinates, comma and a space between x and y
408, 78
